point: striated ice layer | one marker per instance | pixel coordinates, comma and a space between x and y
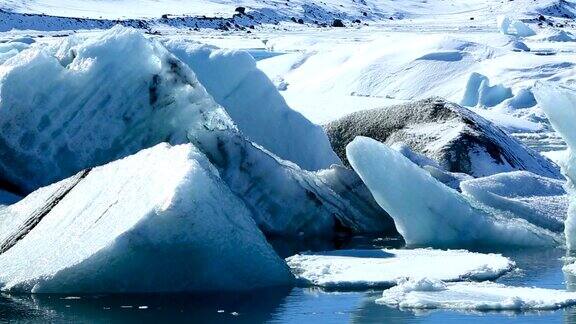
363, 269
161, 220
426, 293
427, 212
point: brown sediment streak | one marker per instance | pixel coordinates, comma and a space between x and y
37, 216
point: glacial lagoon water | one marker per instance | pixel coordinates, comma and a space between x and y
539, 268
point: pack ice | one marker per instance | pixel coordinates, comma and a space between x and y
427, 212
426, 293
364, 269
91, 107
99, 230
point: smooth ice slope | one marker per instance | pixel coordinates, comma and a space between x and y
255, 105
428, 213
429, 293
158, 221
539, 200
363, 269
559, 104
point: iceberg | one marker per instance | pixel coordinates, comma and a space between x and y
365, 269
255, 105
427, 212
90, 107
458, 139
559, 104
161, 220
427, 293
539, 200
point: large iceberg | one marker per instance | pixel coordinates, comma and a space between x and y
458, 139
363, 269
559, 104
161, 220
539, 200
255, 105
426, 293
105, 97
427, 212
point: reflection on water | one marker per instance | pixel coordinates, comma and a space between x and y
541, 268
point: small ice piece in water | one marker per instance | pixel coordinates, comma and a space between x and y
539, 200
427, 293
427, 212
362, 269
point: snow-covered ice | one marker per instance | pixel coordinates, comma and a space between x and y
427, 212
539, 200
458, 139
429, 293
161, 220
363, 269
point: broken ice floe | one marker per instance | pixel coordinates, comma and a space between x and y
426, 293
363, 269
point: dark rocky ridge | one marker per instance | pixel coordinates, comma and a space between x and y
457, 138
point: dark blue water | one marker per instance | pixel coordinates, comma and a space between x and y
292, 305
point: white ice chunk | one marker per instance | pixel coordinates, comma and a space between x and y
361, 269
428, 213
503, 23
161, 220
539, 200
479, 92
255, 104
427, 293
559, 104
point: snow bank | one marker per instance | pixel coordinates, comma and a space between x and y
429, 293
158, 221
559, 104
539, 200
363, 269
255, 105
428, 213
